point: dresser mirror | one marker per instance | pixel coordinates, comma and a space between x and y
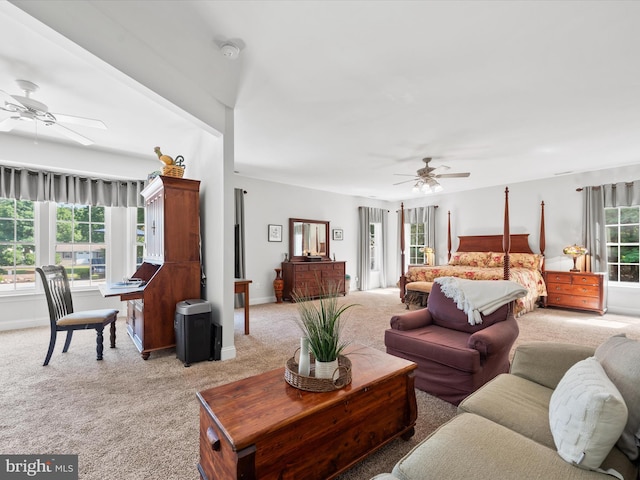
308, 238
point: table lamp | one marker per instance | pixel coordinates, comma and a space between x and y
574, 251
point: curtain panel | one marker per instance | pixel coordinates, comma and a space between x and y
367, 216
623, 194
43, 186
240, 265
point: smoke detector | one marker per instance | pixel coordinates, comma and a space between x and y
230, 51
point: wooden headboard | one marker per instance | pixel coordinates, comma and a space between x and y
493, 243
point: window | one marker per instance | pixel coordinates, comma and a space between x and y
417, 239
17, 245
623, 245
80, 243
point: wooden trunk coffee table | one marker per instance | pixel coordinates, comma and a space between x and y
261, 427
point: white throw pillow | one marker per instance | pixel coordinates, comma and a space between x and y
586, 414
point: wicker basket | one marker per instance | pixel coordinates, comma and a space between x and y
341, 378
173, 171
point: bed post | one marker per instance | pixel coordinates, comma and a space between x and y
448, 235
542, 235
403, 280
506, 239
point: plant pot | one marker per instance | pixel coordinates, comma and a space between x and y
326, 369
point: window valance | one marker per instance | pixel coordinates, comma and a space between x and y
623, 194
43, 186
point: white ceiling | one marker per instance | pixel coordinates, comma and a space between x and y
341, 96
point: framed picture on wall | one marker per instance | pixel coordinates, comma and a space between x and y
337, 234
275, 233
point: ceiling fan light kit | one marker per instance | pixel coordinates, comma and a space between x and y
26, 109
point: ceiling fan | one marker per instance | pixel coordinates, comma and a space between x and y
426, 177
26, 109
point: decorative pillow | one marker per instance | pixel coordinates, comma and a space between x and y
496, 259
586, 414
531, 261
470, 259
620, 358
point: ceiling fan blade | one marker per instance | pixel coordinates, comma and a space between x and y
81, 121
8, 123
406, 181
8, 101
453, 175
405, 174
69, 133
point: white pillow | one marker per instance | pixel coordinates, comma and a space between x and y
586, 414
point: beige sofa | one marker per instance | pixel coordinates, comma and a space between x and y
502, 431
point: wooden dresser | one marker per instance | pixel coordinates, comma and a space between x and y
309, 278
578, 290
171, 265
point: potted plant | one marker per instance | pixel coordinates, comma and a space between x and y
321, 323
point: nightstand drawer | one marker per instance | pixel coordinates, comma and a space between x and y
580, 290
556, 277
571, 301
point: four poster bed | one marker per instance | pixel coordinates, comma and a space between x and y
487, 257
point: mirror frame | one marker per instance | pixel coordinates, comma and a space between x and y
301, 258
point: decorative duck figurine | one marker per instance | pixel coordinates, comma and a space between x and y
166, 159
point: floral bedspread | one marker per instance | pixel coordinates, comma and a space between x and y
531, 279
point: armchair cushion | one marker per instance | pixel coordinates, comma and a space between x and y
445, 313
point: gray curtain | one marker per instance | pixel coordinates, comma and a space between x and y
593, 229
624, 194
595, 200
43, 186
367, 216
240, 270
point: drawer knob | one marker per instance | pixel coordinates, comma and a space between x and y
213, 439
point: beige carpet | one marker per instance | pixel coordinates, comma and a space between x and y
134, 419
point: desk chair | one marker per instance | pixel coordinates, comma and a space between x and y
64, 319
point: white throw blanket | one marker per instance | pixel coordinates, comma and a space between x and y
475, 297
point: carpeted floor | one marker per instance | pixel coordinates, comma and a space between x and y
132, 419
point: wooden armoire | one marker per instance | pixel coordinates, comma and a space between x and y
171, 264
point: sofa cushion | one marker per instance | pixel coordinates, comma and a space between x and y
515, 403
474, 448
620, 358
434, 343
586, 414
445, 313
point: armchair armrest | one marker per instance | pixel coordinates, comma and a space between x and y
495, 338
545, 362
411, 320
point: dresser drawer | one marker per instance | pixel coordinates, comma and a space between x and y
580, 290
586, 280
559, 277
572, 301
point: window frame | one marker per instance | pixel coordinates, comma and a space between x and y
619, 243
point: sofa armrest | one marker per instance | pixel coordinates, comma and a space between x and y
411, 320
545, 362
495, 338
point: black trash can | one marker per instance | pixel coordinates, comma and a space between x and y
192, 327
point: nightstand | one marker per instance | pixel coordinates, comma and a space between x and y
576, 290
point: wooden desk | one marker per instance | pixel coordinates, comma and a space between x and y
242, 286
262, 428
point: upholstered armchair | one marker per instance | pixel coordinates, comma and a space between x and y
454, 357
